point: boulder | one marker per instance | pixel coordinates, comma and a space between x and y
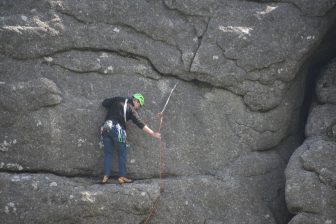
310, 182
46, 198
322, 121
228, 129
310, 173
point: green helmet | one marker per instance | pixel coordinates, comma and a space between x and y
139, 97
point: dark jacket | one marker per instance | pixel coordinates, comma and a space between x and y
115, 107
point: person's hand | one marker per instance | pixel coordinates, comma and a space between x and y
160, 114
157, 135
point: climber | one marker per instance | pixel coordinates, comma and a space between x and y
120, 110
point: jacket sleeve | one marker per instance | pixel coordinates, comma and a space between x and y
108, 102
136, 119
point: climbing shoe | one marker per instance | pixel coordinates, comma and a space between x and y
104, 180
124, 180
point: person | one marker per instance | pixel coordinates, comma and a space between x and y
113, 132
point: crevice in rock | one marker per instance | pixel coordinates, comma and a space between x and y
180, 12
118, 24
200, 39
59, 174
189, 79
313, 64
73, 17
323, 54
95, 178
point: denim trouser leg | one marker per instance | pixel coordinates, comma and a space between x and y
122, 151
110, 142
108, 146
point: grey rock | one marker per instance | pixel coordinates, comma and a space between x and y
228, 129
236, 54
102, 63
45, 198
190, 46
310, 173
307, 218
321, 121
148, 18
68, 133
320, 158
195, 8
261, 170
40, 198
310, 182
29, 96
207, 8
326, 85
210, 200
318, 8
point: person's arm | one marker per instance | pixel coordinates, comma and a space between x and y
136, 120
151, 132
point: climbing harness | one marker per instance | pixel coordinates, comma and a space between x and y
108, 126
116, 129
155, 203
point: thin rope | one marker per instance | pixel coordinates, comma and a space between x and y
153, 208
155, 203
168, 98
161, 156
164, 107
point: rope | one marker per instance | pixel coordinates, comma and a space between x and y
161, 155
155, 203
168, 98
164, 107
153, 208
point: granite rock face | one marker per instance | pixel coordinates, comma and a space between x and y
54, 199
229, 129
311, 172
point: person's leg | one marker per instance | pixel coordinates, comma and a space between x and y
122, 151
108, 144
122, 164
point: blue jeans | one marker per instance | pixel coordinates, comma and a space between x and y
111, 143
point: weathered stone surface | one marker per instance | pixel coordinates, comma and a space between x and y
206, 199
229, 50
228, 130
29, 96
67, 133
236, 53
311, 173
321, 121
44, 198
102, 63
307, 218
260, 171
40, 198
315, 8
321, 160
326, 85
310, 182
22, 97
